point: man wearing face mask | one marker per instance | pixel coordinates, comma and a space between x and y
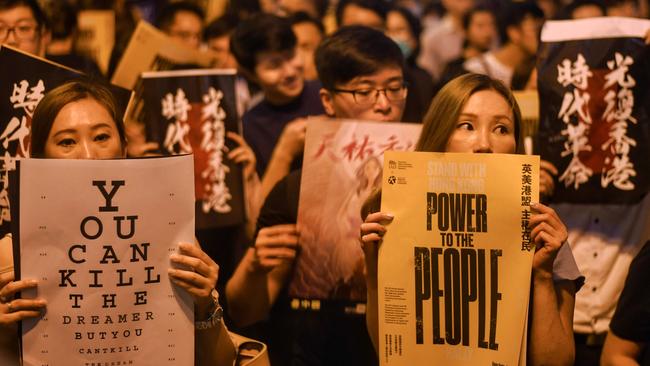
404, 28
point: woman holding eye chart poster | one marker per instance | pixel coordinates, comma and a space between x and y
78, 120
477, 114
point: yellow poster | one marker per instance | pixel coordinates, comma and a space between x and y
455, 264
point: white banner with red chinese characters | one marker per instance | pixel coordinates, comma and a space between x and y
594, 108
97, 235
342, 165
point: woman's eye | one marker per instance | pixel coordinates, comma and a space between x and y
66, 142
102, 137
504, 130
465, 126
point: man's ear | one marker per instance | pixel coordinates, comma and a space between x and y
326, 98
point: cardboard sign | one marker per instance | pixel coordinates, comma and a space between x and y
97, 235
454, 267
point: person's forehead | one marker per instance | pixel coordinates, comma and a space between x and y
17, 13
383, 75
184, 17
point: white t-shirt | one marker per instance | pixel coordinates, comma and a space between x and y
487, 64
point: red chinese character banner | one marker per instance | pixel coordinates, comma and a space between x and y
23, 85
593, 79
342, 165
190, 112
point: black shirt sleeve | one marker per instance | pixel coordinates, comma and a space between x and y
631, 320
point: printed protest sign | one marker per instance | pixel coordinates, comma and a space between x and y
190, 111
342, 165
96, 35
454, 267
97, 235
593, 84
21, 90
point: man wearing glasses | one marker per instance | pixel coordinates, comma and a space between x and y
22, 25
361, 71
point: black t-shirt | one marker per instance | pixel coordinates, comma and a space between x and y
263, 124
307, 337
631, 320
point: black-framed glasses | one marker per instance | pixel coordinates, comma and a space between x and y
369, 96
23, 31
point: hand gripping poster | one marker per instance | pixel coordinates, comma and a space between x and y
191, 111
97, 235
455, 264
342, 164
21, 89
593, 80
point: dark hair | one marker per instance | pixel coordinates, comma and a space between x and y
515, 14
261, 33
414, 26
222, 26
37, 11
302, 17
568, 11
62, 19
441, 118
355, 51
167, 14
57, 98
379, 7
467, 18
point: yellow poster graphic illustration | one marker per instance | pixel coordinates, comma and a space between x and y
455, 264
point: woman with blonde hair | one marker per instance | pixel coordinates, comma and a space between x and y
477, 114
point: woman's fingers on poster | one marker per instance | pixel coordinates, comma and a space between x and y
548, 233
276, 245
373, 228
201, 274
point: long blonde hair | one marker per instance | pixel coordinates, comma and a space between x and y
441, 118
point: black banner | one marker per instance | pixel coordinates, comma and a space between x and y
190, 111
594, 111
23, 83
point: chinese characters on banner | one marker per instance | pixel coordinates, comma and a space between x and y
98, 240
454, 267
594, 124
342, 166
20, 92
189, 112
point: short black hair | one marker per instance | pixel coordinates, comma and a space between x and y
62, 19
36, 9
467, 18
222, 26
302, 17
379, 7
568, 11
168, 13
355, 51
259, 33
516, 13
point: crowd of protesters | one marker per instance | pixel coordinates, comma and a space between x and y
374, 60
